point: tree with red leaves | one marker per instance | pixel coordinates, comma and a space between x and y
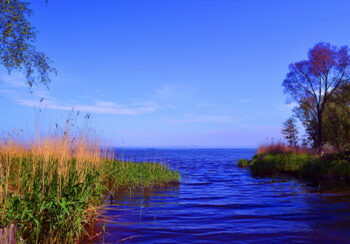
312, 82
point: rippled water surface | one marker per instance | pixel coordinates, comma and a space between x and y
219, 202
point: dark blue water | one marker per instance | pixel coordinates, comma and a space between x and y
218, 202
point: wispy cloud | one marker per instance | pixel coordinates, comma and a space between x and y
41, 98
200, 119
13, 80
98, 106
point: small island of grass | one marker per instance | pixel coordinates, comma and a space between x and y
330, 170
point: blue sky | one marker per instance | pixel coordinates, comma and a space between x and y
172, 73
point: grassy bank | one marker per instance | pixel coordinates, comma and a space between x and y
330, 170
51, 188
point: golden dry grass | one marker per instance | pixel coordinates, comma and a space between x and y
52, 184
62, 146
280, 147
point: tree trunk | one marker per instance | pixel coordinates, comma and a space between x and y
319, 132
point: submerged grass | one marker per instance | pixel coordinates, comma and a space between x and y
51, 187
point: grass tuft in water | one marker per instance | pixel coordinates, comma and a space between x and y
243, 163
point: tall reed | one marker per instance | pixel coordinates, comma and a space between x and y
39, 176
59, 147
281, 147
51, 184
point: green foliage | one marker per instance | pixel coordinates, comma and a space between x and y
131, 175
243, 163
40, 214
290, 132
17, 51
309, 120
44, 216
337, 119
272, 164
327, 171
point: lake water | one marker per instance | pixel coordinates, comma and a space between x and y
218, 202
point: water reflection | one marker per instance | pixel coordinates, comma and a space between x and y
145, 196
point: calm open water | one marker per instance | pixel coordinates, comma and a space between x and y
218, 202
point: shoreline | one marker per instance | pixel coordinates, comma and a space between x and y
330, 171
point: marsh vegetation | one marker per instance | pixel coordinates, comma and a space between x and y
53, 186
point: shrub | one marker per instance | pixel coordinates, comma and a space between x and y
243, 163
281, 147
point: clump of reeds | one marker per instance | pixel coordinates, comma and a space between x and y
281, 147
49, 184
243, 163
266, 164
52, 184
60, 148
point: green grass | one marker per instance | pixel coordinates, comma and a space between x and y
49, 208
243, 163
53, 186
329, 171
276, 163
130, 175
